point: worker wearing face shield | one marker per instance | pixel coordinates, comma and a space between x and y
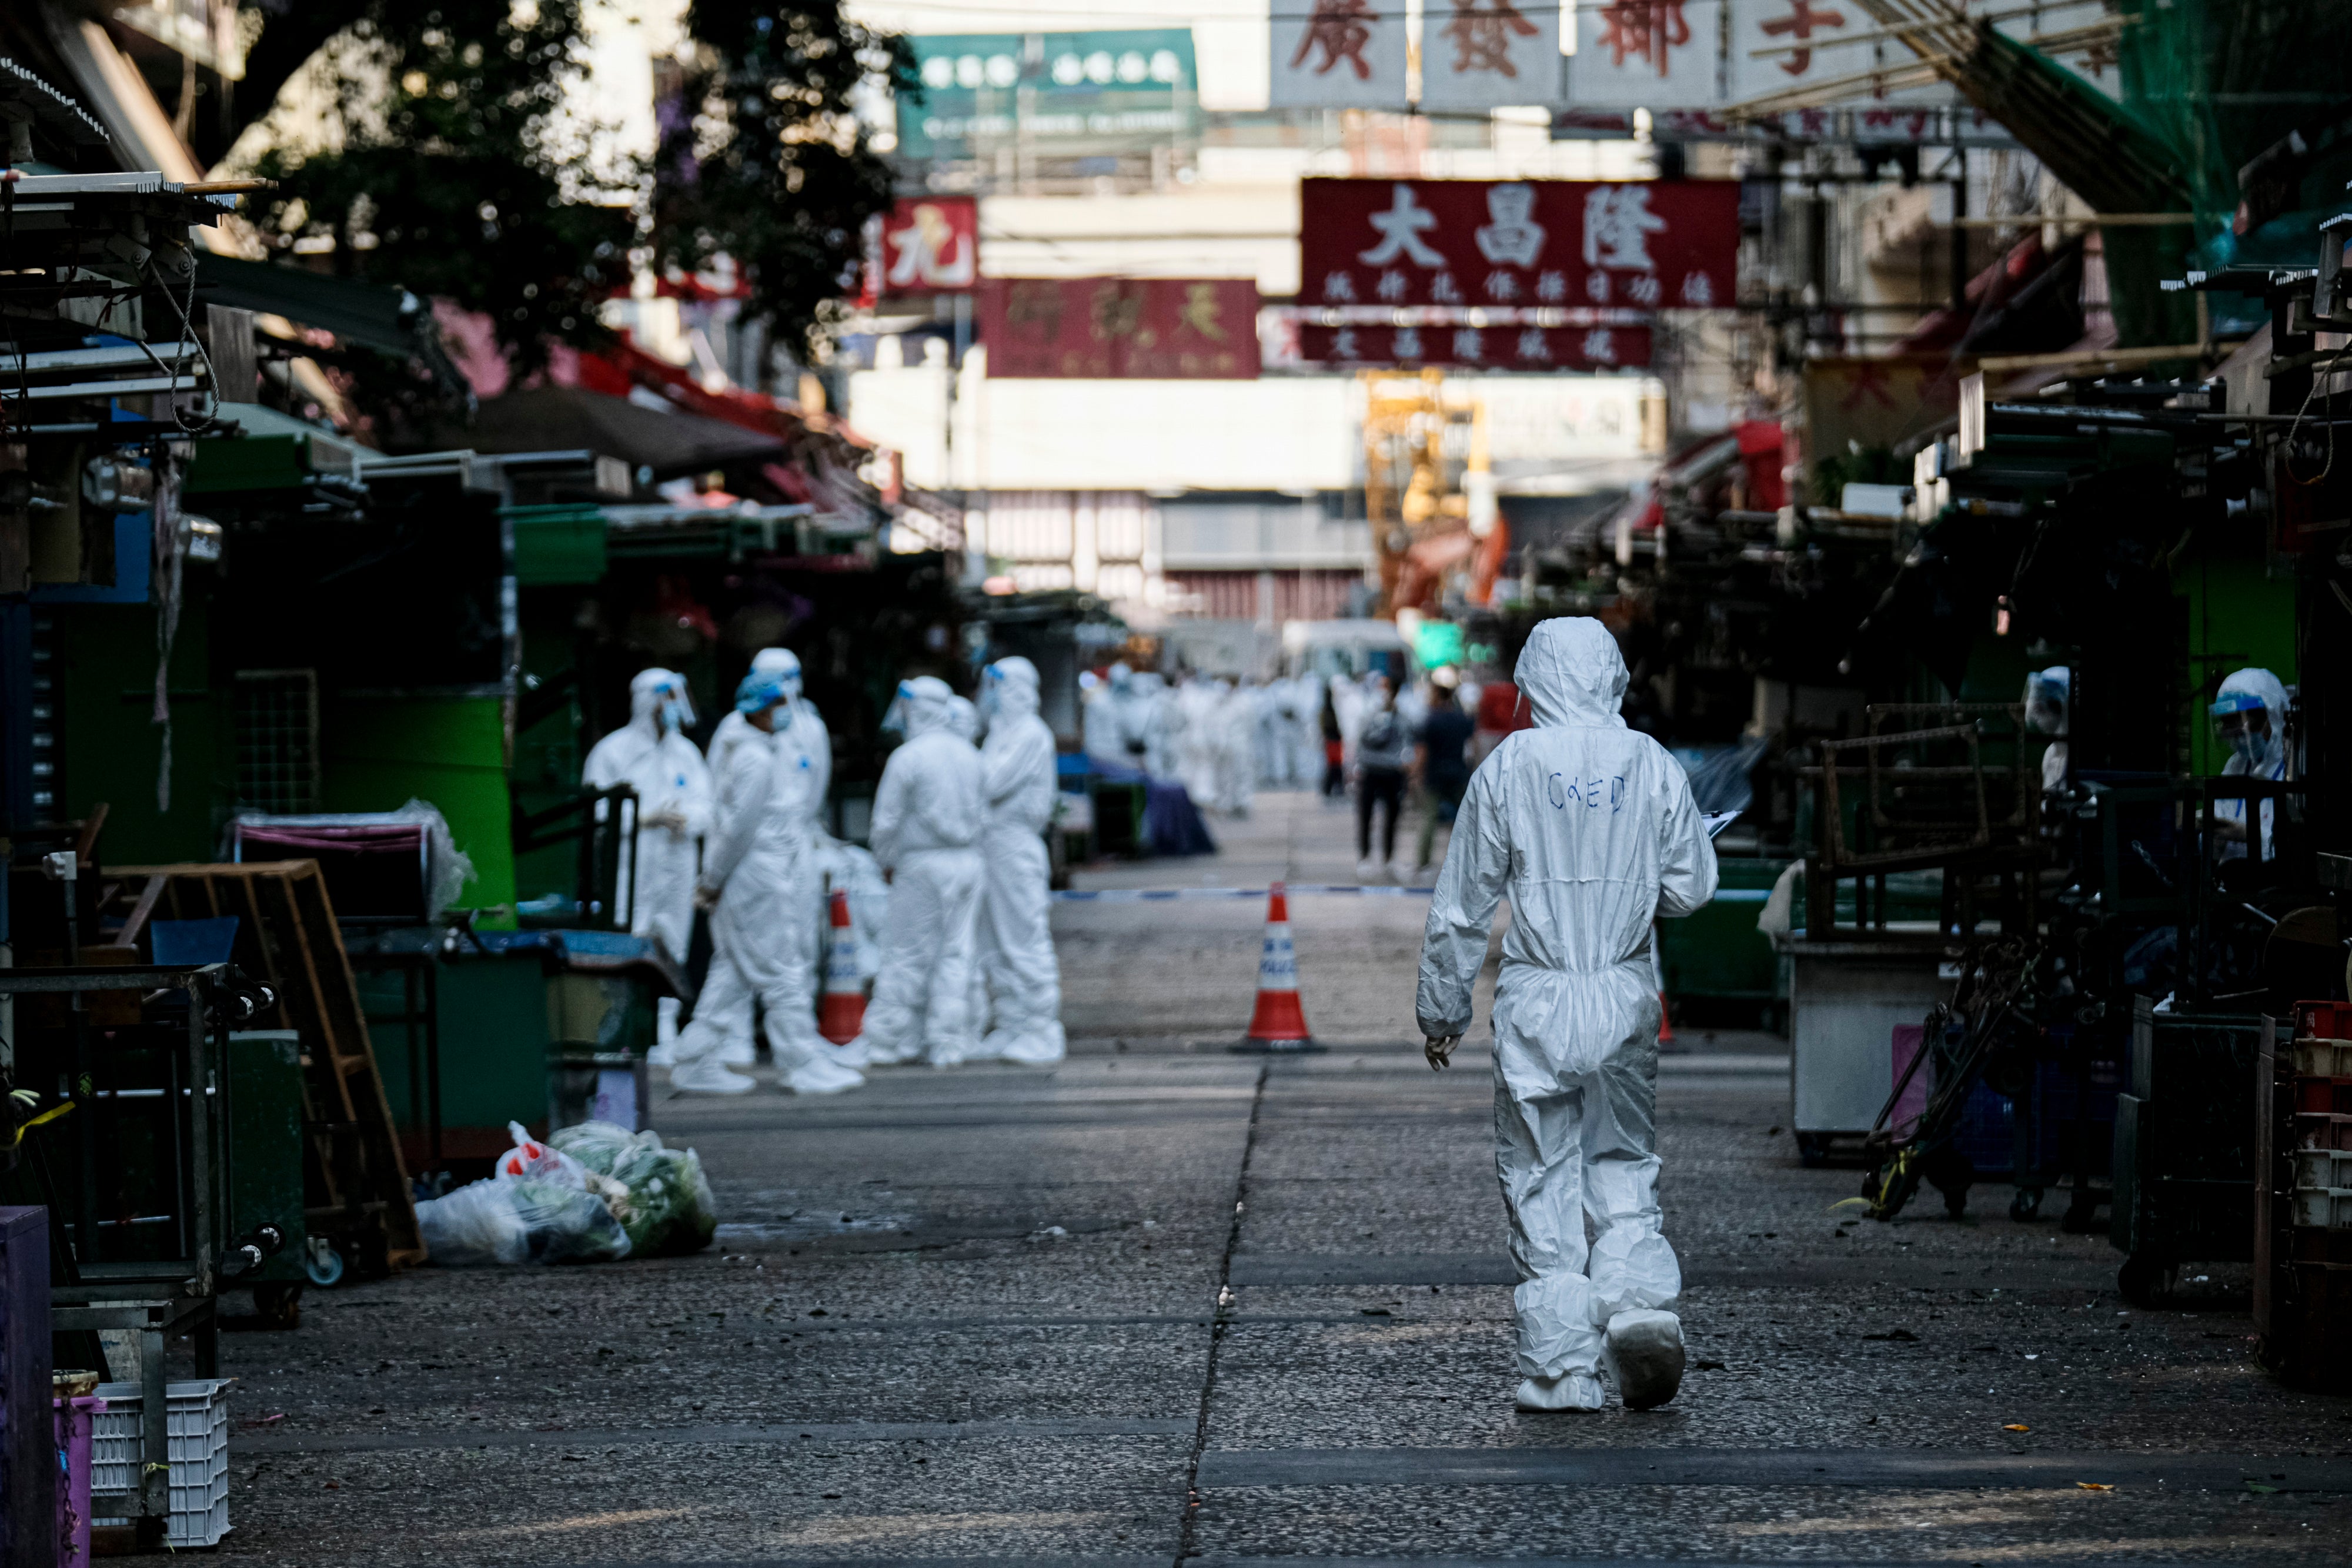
926, 832
799, 732
652, 755
2048, 694
759, 882
2248, 716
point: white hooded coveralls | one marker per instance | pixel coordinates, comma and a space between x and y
1591, 829
2268, 760
1016, 941
926, 833
662, 766
764, 931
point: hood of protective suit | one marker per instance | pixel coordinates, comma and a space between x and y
783, 664
924, 704
646, 693
963, 719
1011, 688
1571, 674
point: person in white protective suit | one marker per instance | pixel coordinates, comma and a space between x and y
926, 833
652, 756
2250, 718
758, 880
1016, 942
1193, 736
799, 730
1233, 724
1104, 739
1591, 829
2047, 694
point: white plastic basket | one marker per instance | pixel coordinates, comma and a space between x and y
2327, 1205
2322, 1167
196, 1430
2322, 1058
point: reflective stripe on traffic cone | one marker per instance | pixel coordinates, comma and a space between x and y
1277, 1022
841, 1011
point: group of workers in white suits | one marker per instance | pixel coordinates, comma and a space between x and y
959, 949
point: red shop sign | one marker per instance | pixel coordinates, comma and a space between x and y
1643, 245
1163, 328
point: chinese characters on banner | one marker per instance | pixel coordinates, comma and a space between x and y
1477, 348
1647, 54
1164, 329
1339, 54
1488, 54
1513, 244
928, 245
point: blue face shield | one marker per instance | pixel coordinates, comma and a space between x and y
894, 722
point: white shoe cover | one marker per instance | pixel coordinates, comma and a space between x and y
862, 1052
821, 1074
1042, 1048
1366, 869
710, 1076
665, 1047
1575, 1392
1643, 1350
738, 1051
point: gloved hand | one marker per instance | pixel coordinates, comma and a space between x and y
705, 897
668, 816
1438, 1048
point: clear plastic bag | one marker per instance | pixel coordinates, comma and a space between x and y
512, 1220
669, 1209
535, 1161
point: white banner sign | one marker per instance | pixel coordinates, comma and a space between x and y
1340, 54
1646, 53
1488, 54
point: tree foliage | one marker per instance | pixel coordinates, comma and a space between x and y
449, 182
764, 161
461, 175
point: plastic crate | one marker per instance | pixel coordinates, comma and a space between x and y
2322, 1168
196, 1430
2321, 1130
2315, 1058
2323, 1096
2330, 1207
2327, 1020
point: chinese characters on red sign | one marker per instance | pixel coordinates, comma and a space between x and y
925, 246
1118, 327
1648, 245
1477, 348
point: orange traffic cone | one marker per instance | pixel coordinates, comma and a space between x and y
1277, 1022
841, 1011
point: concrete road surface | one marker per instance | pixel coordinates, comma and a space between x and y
1164, 1303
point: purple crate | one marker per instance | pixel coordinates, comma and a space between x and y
73, 1423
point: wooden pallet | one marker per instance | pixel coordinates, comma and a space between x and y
287, 934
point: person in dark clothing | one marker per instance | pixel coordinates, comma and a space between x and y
1335, 751
1444, 762
1382, 752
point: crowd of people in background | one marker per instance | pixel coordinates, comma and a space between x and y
1393, 747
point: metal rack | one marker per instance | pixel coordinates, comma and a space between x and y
157, 1299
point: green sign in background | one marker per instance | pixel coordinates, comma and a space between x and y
1069, 93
